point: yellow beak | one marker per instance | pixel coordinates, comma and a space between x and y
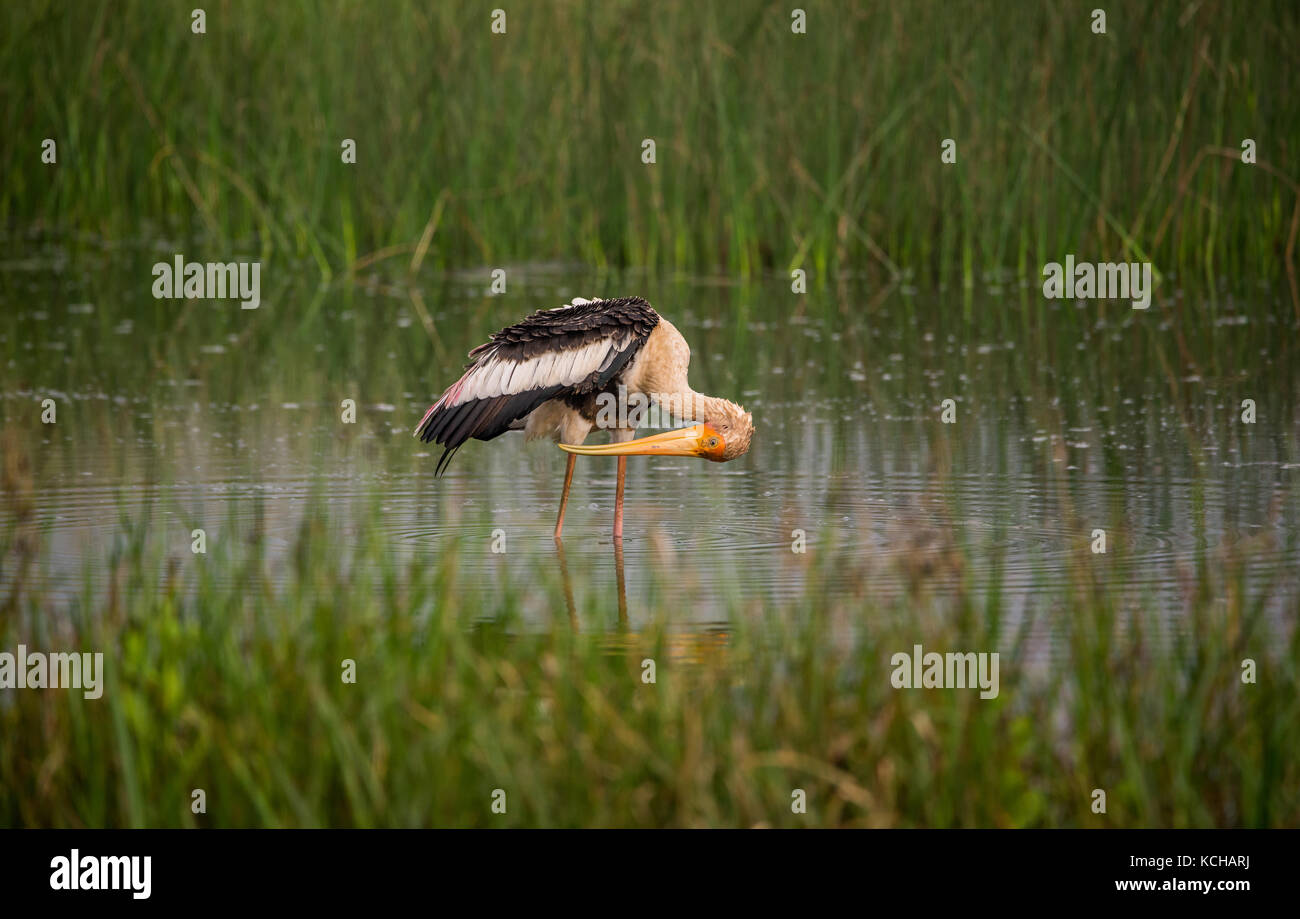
692, 441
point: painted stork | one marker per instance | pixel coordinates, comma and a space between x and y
547, 375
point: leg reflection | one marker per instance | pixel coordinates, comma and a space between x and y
568, 584
622, 584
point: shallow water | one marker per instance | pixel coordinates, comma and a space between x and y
203, 415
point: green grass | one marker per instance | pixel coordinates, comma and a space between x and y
775, 150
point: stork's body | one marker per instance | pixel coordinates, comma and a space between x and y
555, 374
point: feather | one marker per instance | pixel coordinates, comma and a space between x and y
573, 351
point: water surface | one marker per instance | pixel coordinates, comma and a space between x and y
198, 414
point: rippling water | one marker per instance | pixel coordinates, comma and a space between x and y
190, 416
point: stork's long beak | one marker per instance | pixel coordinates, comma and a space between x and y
692, 441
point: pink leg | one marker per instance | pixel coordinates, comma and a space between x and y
618, 499
564, 499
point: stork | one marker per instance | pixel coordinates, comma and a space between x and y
551, 375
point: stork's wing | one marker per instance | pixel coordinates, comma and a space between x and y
574, 350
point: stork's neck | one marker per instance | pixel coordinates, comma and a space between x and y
690, 405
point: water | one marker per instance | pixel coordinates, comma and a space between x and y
199, 414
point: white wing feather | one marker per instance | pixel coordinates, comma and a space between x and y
495, 375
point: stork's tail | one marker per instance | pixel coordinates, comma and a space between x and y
429, 427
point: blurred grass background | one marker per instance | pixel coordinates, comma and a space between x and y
775, 150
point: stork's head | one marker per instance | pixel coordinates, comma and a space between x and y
729, 429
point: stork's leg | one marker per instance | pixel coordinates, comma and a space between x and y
618, 436
618, 499
564, 499
572, 428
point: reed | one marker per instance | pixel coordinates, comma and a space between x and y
774, 150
